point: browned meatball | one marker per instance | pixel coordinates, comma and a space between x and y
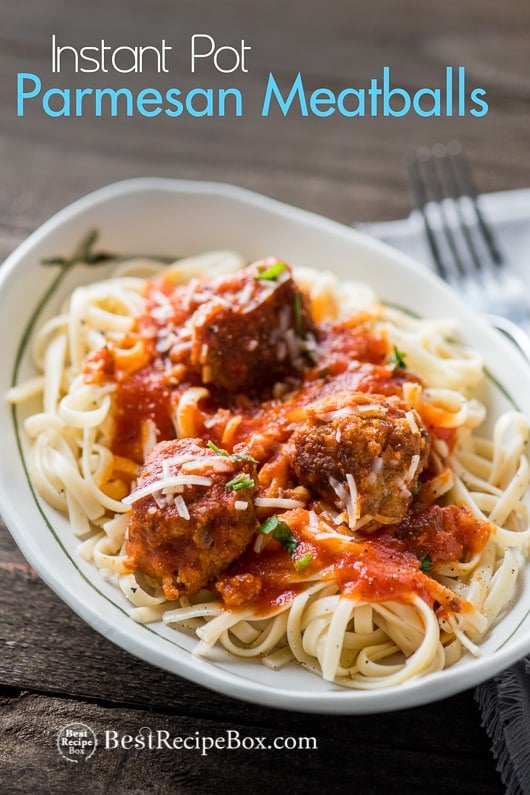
197, 520
363, 453
253, 331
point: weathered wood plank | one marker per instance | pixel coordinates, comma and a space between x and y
349, 169
29, 758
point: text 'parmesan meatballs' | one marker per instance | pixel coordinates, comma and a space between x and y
254, 331
192, 514
362, 453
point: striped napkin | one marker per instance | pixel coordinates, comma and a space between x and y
505, 706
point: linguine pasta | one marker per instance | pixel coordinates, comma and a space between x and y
329, 574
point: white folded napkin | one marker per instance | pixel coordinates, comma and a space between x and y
507, 212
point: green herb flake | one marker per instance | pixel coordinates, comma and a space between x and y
240, 481
243, 457
425, 563
303, 562
297, 308
272, 273
281, 532
397, 359
231, 456
218, 450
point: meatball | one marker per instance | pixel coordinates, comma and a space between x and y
362, 452
253, 331
192, 514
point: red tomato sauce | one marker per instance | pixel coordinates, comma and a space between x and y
386, 565
350, 356
143, 394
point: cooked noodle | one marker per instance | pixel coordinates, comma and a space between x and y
330, 629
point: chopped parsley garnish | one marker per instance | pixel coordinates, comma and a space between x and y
303, 562
231, 456
240, 481
218, 450
272, 273
425, 563
397, 359
281, 532
297, 307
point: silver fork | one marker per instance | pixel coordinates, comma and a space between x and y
463, 246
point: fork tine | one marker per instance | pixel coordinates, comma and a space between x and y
427, 187
449, 173
466, 188
444, 194
442, 173
419, 195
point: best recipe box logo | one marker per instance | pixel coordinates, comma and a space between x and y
77, 742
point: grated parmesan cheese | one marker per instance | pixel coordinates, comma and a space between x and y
330, 416
414, 462
409, 416
372, 410
277, 502
192, 463
182, 508
166, 484
352, 506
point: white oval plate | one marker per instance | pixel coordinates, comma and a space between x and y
174, 217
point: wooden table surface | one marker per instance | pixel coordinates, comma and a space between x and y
53, 668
